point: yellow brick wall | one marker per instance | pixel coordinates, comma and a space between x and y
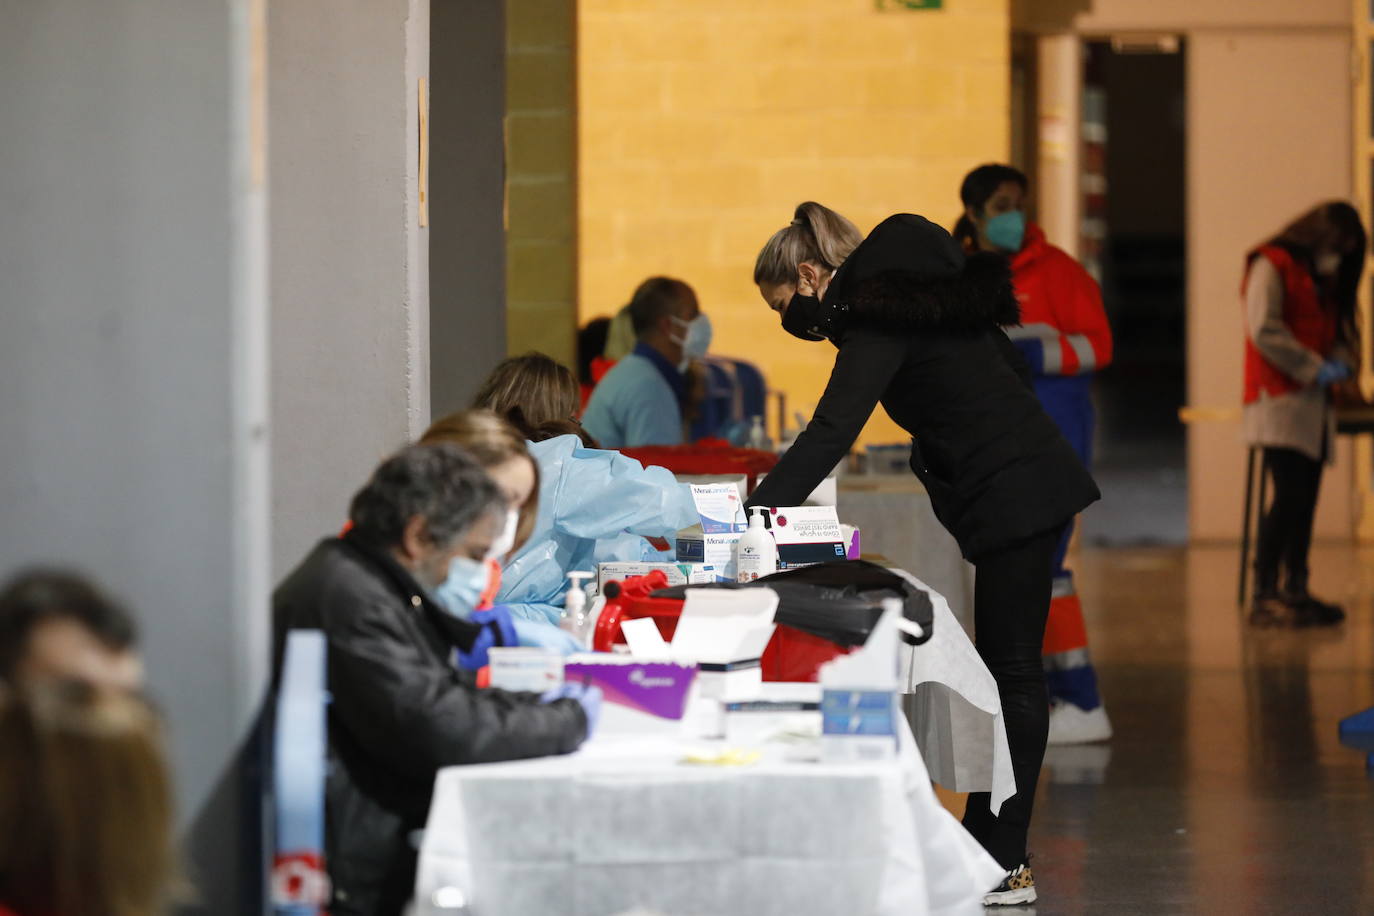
703, 124
541, 183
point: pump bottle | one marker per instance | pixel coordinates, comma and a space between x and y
756, 553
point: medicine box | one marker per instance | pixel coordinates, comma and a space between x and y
721, 521
677, 573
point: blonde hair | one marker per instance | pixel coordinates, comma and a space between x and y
816, 234
531, 391
492, 442
86, 803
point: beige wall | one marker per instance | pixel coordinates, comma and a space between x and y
1269, 134
1249, 172
703, 124
541, 177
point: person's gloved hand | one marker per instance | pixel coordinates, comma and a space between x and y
1033, 350
1331, 372
589, 697
545, 636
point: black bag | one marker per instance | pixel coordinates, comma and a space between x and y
840, 600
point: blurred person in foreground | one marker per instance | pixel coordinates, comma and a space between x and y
1299, 294
85, 803
1066, 339
400, 710
643, 400
56, 624
595, 505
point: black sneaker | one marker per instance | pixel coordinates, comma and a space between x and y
1272, 610
1314, 612
1016, 889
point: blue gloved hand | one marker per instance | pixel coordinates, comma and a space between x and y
545, 636
1033, 350
1331, 372
589, 697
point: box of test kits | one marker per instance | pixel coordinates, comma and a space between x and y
721, 521
807, 535
677, 573
860, 714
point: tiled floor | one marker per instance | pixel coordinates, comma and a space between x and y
1225, 789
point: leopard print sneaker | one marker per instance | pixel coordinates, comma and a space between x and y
1016, 889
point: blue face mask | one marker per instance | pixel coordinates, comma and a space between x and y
463, 589
1007, 230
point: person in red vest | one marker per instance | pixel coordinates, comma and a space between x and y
1065, 337
1299, 295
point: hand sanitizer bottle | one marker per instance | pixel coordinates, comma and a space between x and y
756, 553
575, 619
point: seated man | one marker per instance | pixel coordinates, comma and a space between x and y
640, 401
400, 710
58, 626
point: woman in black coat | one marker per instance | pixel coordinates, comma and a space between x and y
918, 326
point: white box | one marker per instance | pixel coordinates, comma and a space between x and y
807, 535
677, 573
725, 632
711, 542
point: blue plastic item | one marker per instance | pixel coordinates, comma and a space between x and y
1357, 732
300, 885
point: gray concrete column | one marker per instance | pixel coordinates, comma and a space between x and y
350, 273
133, 398
467, 197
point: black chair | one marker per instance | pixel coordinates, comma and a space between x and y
1254, 512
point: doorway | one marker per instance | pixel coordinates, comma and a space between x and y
1134, 240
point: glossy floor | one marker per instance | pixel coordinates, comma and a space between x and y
1225, 789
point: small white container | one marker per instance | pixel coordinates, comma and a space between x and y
756, 553
525, 669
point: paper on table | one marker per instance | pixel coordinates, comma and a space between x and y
643, 638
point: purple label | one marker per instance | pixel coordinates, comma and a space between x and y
658, 688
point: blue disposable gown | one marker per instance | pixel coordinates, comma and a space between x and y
595, 506
633, 406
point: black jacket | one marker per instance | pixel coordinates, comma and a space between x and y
399, 712
920, 331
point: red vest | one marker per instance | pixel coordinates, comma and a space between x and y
1310, 322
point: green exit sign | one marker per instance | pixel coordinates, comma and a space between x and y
910, 4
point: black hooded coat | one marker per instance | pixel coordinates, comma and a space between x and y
919, 330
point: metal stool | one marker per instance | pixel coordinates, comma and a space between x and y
1253, 512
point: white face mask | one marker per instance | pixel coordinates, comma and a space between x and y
506, 539
695, 339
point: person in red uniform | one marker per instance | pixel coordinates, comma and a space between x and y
1299, 295
1065, 337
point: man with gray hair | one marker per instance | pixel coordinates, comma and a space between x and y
400, 710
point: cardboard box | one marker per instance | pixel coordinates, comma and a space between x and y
859, 700
725, 632
677, 573
807, 535
711, 542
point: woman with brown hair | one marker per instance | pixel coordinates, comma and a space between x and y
471, 590
595, 505
85, 804
1299, 295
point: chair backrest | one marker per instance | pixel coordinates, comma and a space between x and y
300, 884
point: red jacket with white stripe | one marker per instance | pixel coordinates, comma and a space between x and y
1061, 308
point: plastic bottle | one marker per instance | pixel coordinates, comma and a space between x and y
756, 553
575, 619
758, 436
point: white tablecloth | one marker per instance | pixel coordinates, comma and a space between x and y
623, 826
954, 709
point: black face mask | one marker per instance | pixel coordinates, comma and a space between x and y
803, 317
